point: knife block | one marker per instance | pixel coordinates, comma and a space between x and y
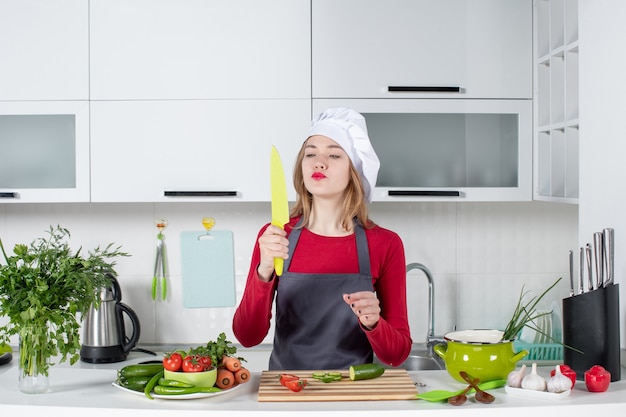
591, 325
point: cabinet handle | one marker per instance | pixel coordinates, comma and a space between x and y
200, 193
8, 194
423, 89
423, 193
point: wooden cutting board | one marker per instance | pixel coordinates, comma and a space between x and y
394, 384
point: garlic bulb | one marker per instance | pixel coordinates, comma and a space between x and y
559, 382
514, 379
534, 381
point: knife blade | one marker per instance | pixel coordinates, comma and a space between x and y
581, 272
609, 253
589, 267
571, 273
598, 246
280, 205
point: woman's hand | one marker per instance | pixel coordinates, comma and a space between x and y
273, 243
366, 307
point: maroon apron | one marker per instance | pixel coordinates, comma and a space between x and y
315, 328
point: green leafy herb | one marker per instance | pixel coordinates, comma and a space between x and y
43, 289
216, 349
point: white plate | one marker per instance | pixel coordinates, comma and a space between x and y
179, 397
529, 393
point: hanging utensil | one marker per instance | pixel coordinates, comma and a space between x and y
160, 263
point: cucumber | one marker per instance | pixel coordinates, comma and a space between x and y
131, 371
135, 383
366, 371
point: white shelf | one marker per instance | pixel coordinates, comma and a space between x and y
556, 101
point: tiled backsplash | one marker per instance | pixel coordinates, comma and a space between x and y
480, 254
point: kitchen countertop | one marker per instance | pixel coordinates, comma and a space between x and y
85, 389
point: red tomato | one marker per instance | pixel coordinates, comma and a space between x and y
568, 372
295, 384
191, 364
597, 379
283, 378
173, 361
205, 361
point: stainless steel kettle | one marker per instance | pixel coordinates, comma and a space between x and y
104, 334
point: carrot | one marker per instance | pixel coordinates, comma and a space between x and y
242, 375
225, 378
231, 363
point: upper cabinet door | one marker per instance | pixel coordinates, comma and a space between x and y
44, 50
192, 150
425, 48
200, 49
45, 151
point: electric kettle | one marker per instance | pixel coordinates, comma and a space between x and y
104, 333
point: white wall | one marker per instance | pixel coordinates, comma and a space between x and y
602, 139
479, 253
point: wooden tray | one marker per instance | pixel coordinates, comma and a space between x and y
394, 384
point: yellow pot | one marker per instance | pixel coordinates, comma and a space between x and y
480, 353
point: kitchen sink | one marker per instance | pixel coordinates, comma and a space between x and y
422, 363
420, 359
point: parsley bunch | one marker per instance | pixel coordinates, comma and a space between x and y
43, 288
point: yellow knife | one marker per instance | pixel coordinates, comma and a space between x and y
280, 205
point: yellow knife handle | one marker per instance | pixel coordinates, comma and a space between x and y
278, 262
278, 266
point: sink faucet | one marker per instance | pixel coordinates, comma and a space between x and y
431, 340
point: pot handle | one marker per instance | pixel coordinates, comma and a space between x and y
123, 308
519, 355
441, 349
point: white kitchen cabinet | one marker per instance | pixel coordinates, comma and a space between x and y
556, 101
200, 49
448, 150
422, 48
44, 50
192, 150
45, 151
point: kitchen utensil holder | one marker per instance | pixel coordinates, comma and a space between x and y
591, 325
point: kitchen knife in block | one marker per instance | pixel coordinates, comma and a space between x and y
208, 269
280, 205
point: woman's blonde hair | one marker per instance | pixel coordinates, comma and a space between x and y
354, 205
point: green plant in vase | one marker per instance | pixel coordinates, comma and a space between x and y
44, 287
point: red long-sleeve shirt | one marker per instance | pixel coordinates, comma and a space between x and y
390, 339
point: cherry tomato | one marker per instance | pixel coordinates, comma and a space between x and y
191, 364
173, 361
568, 372
295, 385
205, 361
597, 379
283, 378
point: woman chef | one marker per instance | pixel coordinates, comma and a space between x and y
342, 295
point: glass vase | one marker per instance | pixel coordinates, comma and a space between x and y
33, 361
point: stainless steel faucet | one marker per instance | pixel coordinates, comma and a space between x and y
431, 339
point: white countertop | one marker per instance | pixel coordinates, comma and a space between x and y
86, 390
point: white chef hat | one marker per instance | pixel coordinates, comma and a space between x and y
347, 127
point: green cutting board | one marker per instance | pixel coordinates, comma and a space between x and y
208, 269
